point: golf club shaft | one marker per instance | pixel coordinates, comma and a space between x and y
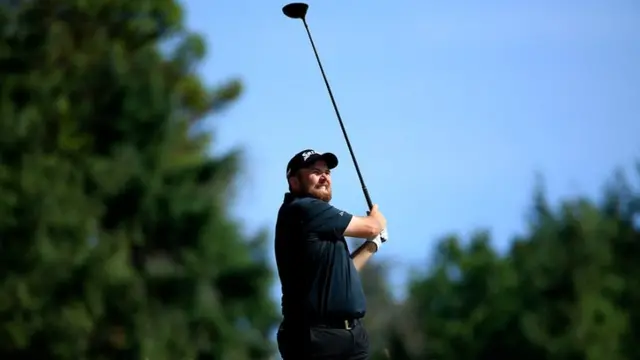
335, 107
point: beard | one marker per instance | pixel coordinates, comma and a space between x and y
321, 192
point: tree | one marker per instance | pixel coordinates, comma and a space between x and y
116, 242
567, 289
569, 280
466, 303
390, 325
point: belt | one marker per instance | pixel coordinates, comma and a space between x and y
346, 324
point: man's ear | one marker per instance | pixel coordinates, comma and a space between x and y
294, 183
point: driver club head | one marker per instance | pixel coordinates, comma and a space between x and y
295, 10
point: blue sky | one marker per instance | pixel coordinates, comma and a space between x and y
452, 107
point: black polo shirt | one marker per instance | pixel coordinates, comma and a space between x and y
319, 281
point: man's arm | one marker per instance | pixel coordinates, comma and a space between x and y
362, 254
363, 227
373, 243
321, 217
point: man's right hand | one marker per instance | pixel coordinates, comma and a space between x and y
376, 214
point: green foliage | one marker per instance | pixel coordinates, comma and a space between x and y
567, 289
116, 242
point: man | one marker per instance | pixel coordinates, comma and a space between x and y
322, 297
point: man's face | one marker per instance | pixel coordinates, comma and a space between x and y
315, 181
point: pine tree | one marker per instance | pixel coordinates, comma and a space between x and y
115, 235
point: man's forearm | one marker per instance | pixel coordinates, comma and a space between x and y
362, 254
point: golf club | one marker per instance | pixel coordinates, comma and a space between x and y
299, 11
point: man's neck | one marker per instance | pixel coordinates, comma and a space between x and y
290, 196
294, 195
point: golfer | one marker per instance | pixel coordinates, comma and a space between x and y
322, 297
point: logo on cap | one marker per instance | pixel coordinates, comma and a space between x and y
305, 155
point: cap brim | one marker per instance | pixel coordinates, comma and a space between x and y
330, 159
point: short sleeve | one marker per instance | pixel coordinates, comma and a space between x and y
320, 217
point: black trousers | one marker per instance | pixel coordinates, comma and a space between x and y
299, 342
